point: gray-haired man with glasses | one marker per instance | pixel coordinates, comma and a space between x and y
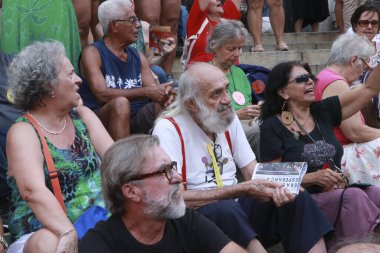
117, 80
141, 187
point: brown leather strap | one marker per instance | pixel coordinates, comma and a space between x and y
50, 163
171, 119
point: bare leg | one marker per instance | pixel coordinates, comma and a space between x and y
170, 14
277, 21
42, 241
339, 15
255, 247
315, 27
298, 25
97, 32
255, 22
83, 12
319, 247
115, 116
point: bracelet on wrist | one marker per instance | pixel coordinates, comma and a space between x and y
66, 233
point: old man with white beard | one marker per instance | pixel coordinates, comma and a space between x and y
141, 187
202, 133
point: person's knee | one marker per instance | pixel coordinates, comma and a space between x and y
150, 15
255, 5
354, 193
227, 209
304, 197
274, 4
120, 107
43, 241
170, 13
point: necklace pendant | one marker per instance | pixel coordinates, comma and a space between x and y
296, 135
287, 118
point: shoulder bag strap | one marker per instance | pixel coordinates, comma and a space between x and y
50, 164
190, 42
171, 119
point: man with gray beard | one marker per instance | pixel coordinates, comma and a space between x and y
201, 132
141, 187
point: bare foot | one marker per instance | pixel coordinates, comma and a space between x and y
257, 48
282, 47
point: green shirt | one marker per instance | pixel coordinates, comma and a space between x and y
239, 82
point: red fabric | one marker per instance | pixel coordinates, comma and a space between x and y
324, 79
171, 119
194, 22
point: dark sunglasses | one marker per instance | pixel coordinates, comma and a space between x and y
217, 151
365, 23
168, 169
302, 78
132, 20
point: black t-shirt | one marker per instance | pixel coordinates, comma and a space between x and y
280, 141
190, 233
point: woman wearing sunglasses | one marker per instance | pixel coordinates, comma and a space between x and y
365, 22
298, 129
361, 143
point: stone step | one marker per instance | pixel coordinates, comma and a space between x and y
294, 38
295, 46
317, 59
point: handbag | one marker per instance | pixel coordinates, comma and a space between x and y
93, 214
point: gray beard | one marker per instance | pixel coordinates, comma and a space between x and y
211, 120
169, 207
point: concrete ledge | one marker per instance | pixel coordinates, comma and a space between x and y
295, 46
269, 59
293, 38
317, 59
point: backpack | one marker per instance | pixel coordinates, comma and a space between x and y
258, 77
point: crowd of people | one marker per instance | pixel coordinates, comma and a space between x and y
101, 126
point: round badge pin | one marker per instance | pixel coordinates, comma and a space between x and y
238, 97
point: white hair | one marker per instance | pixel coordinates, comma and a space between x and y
111, 10
188, 89
348, 45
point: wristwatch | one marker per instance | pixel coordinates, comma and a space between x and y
4, 243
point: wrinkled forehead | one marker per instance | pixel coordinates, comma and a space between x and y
213, 81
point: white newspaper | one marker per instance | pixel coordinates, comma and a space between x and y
290, 174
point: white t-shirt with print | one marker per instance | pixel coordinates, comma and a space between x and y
199, 169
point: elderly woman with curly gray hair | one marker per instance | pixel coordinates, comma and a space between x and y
43, 83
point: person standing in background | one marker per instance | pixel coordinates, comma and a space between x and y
25, 21
277, 21
87, 17
165, 13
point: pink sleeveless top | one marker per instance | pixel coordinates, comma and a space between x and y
324, 79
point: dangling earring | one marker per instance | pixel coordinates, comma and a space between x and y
52, 95
286, 117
